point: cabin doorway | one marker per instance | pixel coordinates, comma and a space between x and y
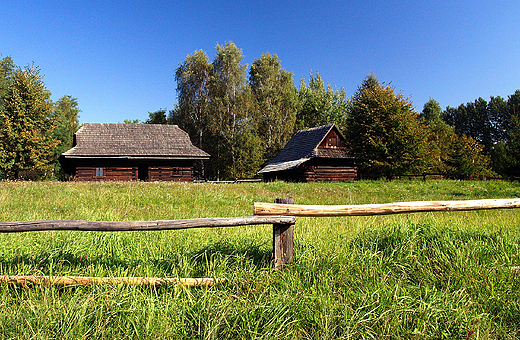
142, 172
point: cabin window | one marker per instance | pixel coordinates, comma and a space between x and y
99, 172
332, 142
176, 172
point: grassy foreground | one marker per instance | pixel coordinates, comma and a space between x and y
414, 276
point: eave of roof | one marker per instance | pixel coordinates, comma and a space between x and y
283, 166
137, 157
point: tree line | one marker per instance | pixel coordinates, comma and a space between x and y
244, 115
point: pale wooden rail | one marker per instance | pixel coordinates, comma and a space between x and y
87, 280
383, 209
278, 208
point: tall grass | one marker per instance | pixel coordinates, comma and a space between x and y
417, 276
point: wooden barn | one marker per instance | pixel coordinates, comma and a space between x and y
131, 152
313, 155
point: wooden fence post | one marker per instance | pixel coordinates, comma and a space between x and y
283, 239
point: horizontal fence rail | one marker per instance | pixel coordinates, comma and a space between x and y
13, 227
382, 209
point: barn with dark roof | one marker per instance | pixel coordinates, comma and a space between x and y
131, 152
313, 155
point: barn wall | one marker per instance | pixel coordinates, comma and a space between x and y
124, 170
317, 170
329, 170
170, 173
88, 173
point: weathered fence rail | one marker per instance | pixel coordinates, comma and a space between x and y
13, 227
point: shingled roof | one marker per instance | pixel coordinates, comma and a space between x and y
303, 146
133, 140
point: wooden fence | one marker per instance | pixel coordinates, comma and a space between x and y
282, 226
281, 214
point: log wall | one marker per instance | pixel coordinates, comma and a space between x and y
87, 173
329, 174
165, 173
112, 170
317, 170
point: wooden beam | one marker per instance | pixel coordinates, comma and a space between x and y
85, 280
12, 227
283, 239
383, 209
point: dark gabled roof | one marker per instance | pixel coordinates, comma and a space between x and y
133, 140
303, 146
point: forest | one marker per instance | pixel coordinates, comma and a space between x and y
244, 115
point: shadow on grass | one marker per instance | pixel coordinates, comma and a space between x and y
232, 256
199, 262
421, 236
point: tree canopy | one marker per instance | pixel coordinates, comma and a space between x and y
26, 125
384, 132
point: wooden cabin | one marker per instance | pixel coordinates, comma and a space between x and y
131, 152
313, 155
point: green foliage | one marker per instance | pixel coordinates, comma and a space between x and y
157, 117
229, 114
192, 112
467, 160
512, 139
472, 120
26, 126
320, 105
131, 121
276, 102
513, 147
492, 125
384, 132
440, 137
7, 69
232, 119
66, 114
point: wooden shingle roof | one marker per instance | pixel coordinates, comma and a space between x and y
133, 140
303, 146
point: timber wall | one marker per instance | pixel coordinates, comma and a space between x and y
316, 173
317, 170
125, 170
155, 173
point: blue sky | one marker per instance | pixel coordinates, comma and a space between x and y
118, 57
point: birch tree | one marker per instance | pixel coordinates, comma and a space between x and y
192, 112
276, 102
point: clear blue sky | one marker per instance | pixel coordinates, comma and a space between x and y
118, 57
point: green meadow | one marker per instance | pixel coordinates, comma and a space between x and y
439, 275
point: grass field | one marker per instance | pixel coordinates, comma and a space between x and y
442, 275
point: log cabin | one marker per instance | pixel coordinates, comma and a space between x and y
131, 152
313, 155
